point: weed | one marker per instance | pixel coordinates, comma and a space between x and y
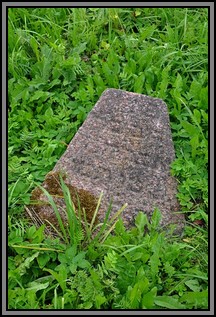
60, 60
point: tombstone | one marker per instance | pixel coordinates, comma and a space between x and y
124, 148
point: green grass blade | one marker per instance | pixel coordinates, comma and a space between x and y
58, 216
96, 211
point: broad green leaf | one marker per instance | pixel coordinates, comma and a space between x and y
195, 89
73, 267
147, 31
198, 299
38, 235
105, 45
148, 299
20, 187
194, 144
141, 221
84, 264
154, 263
168, 302
60, 277
39, 94
131, 66
137, 13
49, 112
34, 46
99, 300
170, 33
62, 258
43, 259
54, 82
197, 115
156, 218
203, 97
86, 305
204, 115
71, 61
143, 285
79, 257
100, 84
108, 73
137, 255
193, 285
178, 83
191, 129
80, 48
26, 264
164, 82
71, 253
149, 76
37, 286
139, 82
49, 150
170, 270
134, 295
113, 62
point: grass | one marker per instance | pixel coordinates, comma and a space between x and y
60, 60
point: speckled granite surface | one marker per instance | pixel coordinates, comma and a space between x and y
124, 148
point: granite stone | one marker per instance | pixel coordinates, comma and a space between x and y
124, 148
